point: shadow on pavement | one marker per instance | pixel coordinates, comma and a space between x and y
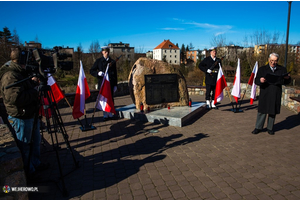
100, 168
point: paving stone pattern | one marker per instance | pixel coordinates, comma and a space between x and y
215, 156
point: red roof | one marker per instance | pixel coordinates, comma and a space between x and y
166, 44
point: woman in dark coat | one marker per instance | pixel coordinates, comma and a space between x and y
270, 78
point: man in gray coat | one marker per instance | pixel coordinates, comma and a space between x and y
270, 78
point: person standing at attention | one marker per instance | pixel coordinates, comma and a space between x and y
210, 66
98, 70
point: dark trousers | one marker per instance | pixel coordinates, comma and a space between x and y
210, 89
260, 121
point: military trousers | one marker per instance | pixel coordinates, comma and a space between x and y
210, 92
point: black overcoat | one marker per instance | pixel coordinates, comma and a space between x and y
270, 94
205, 64
101, 65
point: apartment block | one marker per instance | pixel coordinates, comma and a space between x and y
123, 49
167, 51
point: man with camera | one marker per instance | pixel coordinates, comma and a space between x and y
21, 103
98, 71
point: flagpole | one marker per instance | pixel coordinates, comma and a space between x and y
99, 94
243, 96
68, 103
227, 89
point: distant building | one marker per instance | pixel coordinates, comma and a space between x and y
249, 50
32, 45
149, 54
231, 52
203, 54
264, 49
191, 56
167, 51
66, 50
297, 54
123, 49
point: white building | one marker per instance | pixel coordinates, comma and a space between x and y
167, 51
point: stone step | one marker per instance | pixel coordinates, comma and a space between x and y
175, 116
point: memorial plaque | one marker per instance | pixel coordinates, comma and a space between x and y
161, 88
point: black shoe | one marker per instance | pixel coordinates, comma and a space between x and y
113, 117
105, 119
271, 132
256, 131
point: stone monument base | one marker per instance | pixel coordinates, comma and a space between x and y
175, 116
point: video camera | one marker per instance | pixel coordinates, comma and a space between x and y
45, 61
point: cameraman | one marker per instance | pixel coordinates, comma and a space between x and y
21, 102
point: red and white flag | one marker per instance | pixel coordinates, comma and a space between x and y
105, 100
57, 93
82, 93
220, 85
236, 90
252, 82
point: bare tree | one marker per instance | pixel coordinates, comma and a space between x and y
6, 42
140, 49
191, 46
15, 38
78, 55
95, 50
268, 43
245, 41
218, 41
36, 40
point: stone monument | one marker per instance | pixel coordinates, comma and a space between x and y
157, 84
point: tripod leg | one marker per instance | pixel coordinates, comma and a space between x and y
64, 189
52, 129
62, 129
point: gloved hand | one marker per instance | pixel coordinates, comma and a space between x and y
100, 73
209, 71
115, 89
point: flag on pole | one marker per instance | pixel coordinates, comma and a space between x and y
253, 74
57, 93
220, 85
45, 102
82, 93
105, 100
252, 82
236, 90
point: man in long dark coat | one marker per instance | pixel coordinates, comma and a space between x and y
98, 70
210, 66
270, 78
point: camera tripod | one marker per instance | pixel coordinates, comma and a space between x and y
54, 124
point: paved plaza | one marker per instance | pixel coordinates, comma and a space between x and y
214, 156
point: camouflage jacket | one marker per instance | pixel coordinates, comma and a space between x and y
21, 100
